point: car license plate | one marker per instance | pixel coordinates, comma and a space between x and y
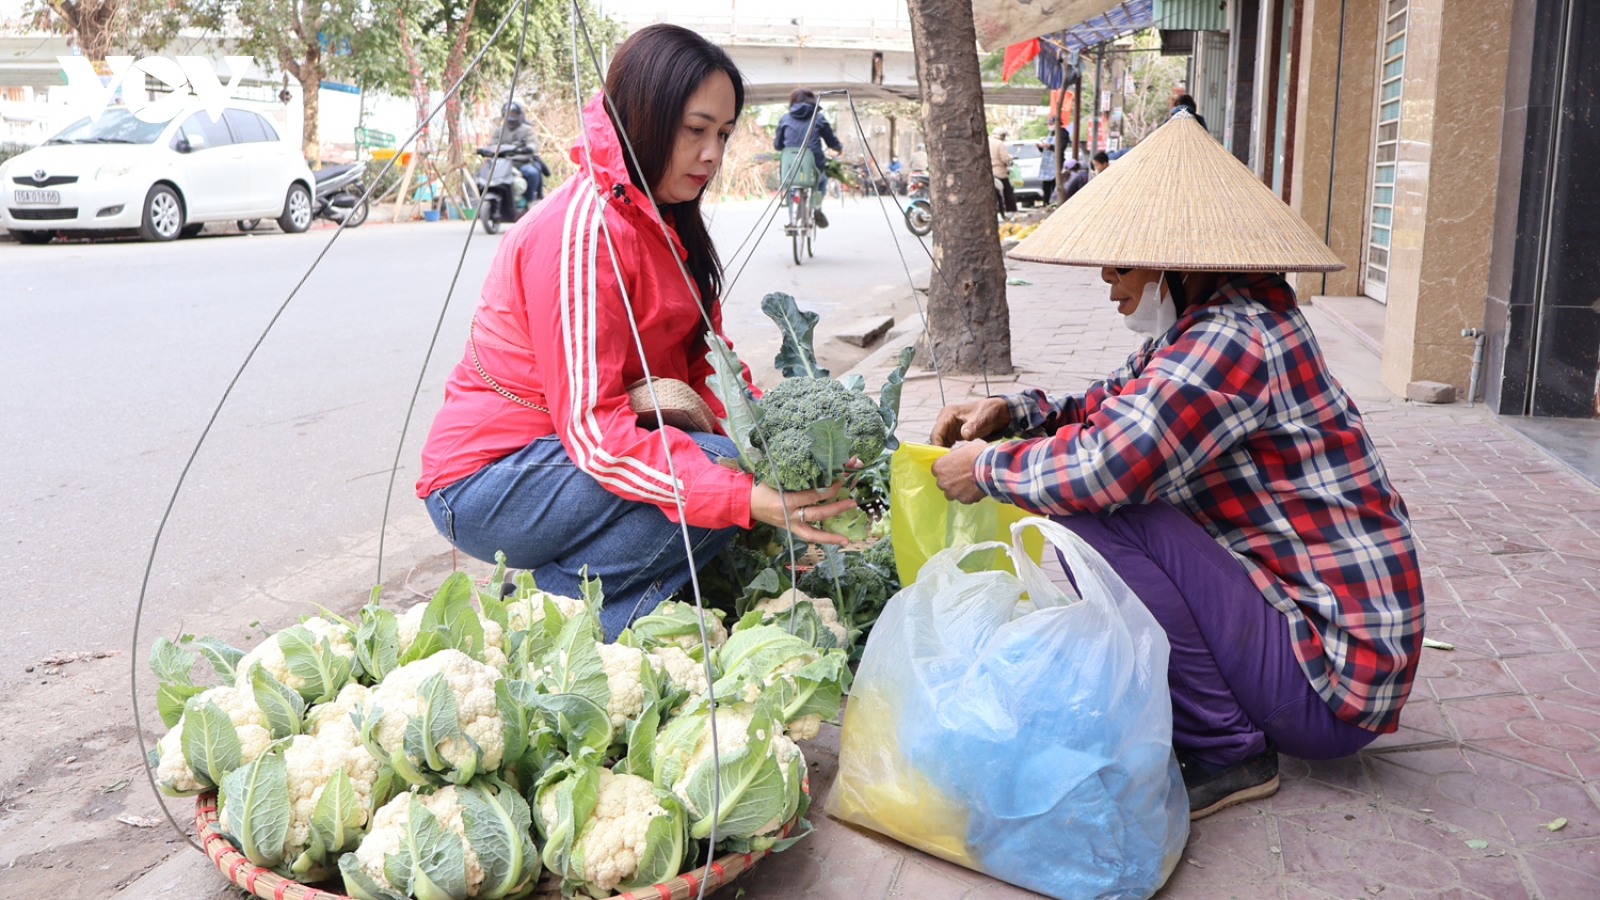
38, 196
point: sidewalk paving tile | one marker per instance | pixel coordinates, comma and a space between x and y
1501, 735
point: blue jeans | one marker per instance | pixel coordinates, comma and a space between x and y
535, 178
554, 519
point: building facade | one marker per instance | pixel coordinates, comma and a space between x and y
1446, 150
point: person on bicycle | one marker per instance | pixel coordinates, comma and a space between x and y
514, 130
538, 450
792, 131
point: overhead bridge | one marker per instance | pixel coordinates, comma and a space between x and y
871, 58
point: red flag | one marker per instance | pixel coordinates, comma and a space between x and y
1017, 56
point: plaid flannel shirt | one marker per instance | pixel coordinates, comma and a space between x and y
1233, 418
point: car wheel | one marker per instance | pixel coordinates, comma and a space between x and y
33, 237
163, 214
193, 228
296, 210
248, 224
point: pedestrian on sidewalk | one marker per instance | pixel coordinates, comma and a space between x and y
541, 449
803, 119
1000, 166
1222, 471
1076, 177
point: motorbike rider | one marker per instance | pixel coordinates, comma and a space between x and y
514, 129
792, 130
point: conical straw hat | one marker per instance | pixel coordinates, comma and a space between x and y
1178, 200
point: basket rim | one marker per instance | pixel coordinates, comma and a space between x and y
269, 885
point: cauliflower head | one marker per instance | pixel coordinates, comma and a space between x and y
334, 716
173, 773
826, 611
616, 837
804, 728
623, 677
270, 651
331, 741
677, 622
409, 625
523, 614
733, 727
389, 829
472, 684
680, 668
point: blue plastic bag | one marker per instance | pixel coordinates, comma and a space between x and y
1004, 726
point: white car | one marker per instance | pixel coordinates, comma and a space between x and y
163, 179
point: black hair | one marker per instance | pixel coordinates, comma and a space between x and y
1101, 157
650, 80
1186, 101
802, 95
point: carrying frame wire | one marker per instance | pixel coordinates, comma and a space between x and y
438, 325
216, 412
577, 22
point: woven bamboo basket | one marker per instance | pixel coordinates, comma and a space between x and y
269, 885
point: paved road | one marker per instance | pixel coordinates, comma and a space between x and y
115, 352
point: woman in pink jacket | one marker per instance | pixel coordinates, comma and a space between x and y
536, 451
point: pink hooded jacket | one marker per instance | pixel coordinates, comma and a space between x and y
551, 328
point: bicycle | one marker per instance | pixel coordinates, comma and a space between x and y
799, 172
802, 225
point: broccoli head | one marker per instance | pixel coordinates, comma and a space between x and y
789, 463
793, 406
881, 555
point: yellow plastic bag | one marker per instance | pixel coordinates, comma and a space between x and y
923, 522
884, 792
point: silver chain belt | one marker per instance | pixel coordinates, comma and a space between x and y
472, 345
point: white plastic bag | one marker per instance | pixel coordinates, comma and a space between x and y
1029, 738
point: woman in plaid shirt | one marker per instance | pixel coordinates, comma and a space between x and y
1224, 474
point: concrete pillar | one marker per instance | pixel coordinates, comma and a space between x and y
1328, 79
1456, 52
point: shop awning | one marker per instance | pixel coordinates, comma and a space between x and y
1001, 23
1124, 18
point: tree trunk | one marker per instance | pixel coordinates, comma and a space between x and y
452, 71
419, 85
309, 96
301, 56
91, 22
967, 313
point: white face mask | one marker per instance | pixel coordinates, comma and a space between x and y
1154, 314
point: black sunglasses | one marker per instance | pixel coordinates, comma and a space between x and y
1122, 271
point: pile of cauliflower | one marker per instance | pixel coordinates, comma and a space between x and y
476, 745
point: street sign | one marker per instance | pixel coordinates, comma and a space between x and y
370, 137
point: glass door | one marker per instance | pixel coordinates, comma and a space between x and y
1386, 141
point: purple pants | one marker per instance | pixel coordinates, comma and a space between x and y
1233, 675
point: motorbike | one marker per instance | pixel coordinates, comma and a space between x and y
501, 185
338, 196
919, 208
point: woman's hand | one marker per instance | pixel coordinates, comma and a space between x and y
806, 508
953, 471
970, 420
